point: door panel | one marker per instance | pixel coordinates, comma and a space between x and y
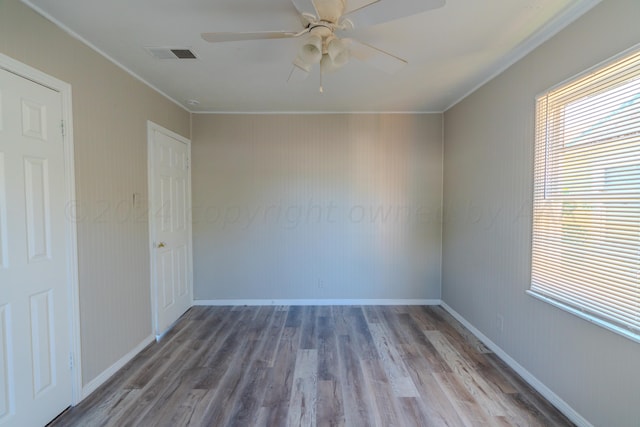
182, 278
42, 341
165, 278
170, 190
165, 204
5, 358
180, 206
35, 340
4, 243
34, 120
37, 209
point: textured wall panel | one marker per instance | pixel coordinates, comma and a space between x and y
317, 206
488, 192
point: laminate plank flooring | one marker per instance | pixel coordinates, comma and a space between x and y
315, 366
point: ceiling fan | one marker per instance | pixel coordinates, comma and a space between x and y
323, 21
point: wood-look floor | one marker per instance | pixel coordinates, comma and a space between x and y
308, 366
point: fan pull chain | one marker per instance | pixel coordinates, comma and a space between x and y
321, 90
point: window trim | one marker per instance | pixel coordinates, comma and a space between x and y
586, 316
629, 333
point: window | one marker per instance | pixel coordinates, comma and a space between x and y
586, 210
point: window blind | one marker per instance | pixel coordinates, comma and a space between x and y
586, 214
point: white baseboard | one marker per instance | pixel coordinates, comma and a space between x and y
545, 391
257, 302
92, 385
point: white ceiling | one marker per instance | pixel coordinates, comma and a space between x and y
450, 51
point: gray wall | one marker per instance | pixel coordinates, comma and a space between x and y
317, 206
488, 154
110, 113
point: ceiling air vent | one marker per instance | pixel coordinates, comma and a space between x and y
171, 53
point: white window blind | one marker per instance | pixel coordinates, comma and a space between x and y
586, 219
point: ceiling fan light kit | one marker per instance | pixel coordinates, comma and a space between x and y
323, 47
311, 51
338, 51
321, 19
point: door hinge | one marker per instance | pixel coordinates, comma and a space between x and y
62, 127
70, 360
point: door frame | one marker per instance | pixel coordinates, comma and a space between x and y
151, 128
25, 71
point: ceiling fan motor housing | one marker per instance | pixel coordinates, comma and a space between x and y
330, 10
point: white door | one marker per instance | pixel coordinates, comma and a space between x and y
35, 375
170, 189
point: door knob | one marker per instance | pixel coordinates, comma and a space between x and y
161, 245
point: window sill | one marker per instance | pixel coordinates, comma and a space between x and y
586, 316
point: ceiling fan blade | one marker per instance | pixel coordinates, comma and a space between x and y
378, 12
356, 5
234, 37
297, 73
305, 6
384, 61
